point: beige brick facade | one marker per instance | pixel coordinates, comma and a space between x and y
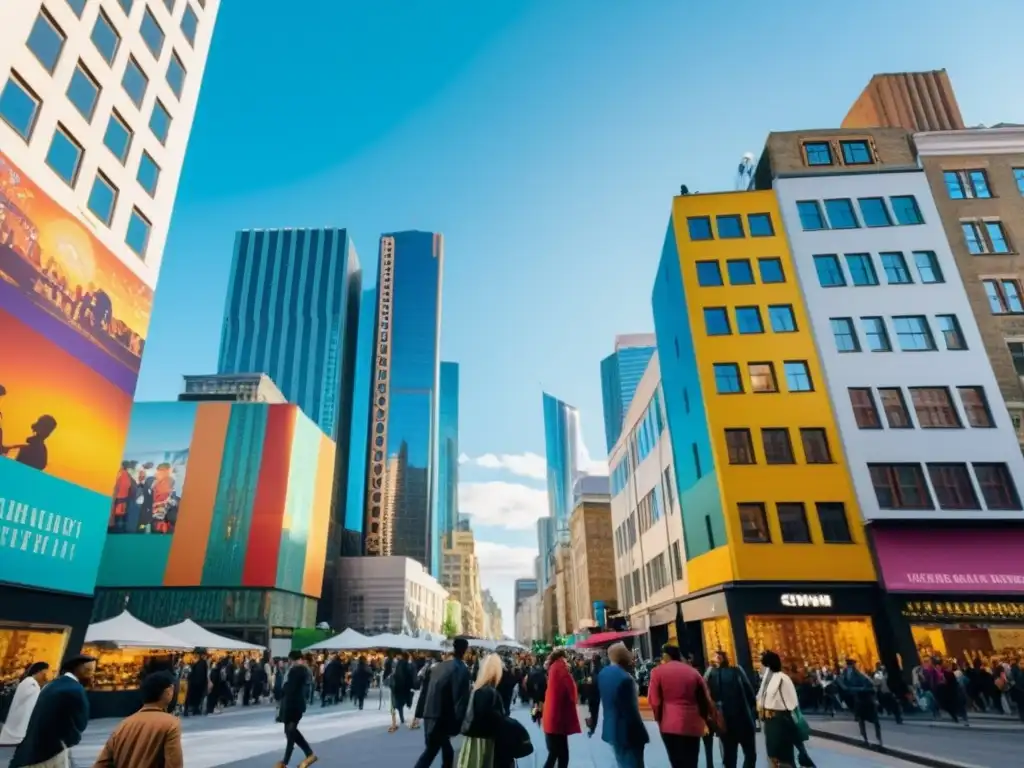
593, 559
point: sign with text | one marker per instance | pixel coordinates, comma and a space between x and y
798, 600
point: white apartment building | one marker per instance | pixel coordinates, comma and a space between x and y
97, 99
648, 532
388, 594
925, 428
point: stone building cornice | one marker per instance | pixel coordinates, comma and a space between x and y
972, 141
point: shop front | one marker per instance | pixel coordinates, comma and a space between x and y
955, 593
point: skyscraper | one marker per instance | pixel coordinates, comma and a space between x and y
447, 498
621, 372
358, 444
402, 472
563, 450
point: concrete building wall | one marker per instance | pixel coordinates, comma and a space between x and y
380, 593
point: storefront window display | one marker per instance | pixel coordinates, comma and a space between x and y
22, 645
717, 637
813, 642
965, 631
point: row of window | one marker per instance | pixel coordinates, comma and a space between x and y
913, 334
761, 379
839, 213
748, 320
903, 486
934, 407
793, 525
740, 271
654, 578
851, 152
642, 440
973, 183
730, 226
777, 448
648, 511
861, 269
985, 237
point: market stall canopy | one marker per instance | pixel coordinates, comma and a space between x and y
606, 638
199, 637
404, 642
349, 640
511, 645
125, 631
479, 642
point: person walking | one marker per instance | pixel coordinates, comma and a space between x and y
559, 717
150, 737
294, 697
485, 720
507, 686
859, 690
445, 699
24, 701
734, 696
59, 718
362, 676
679, 700
401, 680
776, 702
623, 727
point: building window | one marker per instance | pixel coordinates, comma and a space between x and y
840, 214
818, 153
835, 528
46, 40
176, 75
1004, 296
862, 269
873, 212
103, 198
709, 273
953, 486
928, 267
984, 237
152, 34
748, 320
815, 443
798, 377
895, 408
760, 225
105, 38
844, 334
793, 523
934, 408
727, 379
778, 449
1018, 175
149, 174
811, 217
160, 122
118, 138
730, 227
740, 272
677, 558
997, 486
1017, 356
83, 92
65, 155
913, 334
781, 318
19, 106
876, 335
754, 524
135, 82
716, 321
895, 267
189, 25
770, 269
865, 412
137, 236
952, 335
762, 378
975, 406
740, 446
700, 228
830, 273
900, 486
966, 184
856, 152
905, 209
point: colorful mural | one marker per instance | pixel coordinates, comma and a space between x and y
244, 488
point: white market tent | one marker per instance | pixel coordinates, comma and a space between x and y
404, 642
199, 637
349, 640
125, 631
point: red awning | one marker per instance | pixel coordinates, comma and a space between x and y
606, 638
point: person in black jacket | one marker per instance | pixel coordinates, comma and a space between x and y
445, 698
60, 716
736, 699
293, 706
484, 726
506, 687
361, 677
401, 680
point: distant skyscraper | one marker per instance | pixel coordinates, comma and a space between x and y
358, 446
621, 371
404, 413
524, 588
563, 443
448, 448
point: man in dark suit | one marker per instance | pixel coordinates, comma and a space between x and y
445, 698
59, 718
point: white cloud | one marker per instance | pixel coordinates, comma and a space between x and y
506, 505
531, 465
500, 566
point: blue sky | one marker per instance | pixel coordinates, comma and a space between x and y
545, 140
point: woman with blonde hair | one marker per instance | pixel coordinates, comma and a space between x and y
485, 719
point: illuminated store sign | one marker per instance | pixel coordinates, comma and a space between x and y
806, 601
930, 610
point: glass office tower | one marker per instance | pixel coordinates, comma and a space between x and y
404, 410
621, 372
448, 451
355, 491
563, 443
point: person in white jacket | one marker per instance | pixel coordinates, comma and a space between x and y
23, 703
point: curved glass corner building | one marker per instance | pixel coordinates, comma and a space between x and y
563, 445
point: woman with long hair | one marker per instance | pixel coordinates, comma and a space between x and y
485, 719
23, 703
776, 703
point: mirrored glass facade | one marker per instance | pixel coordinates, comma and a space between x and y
563, 443
621, 372
356, 490
446, 516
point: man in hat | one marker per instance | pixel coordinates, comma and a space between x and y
59, 719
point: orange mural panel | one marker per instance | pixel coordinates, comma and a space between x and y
316, 546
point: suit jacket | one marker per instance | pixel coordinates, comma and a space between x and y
150, 737
623, 726
676, 694
57, 722
446, 697
294, 693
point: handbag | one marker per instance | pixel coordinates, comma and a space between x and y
802, 729
513, 739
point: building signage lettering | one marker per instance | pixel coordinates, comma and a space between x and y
981, 579
928, 609
806, 601
38, 532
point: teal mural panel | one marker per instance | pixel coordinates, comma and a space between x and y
291, 560
134, 560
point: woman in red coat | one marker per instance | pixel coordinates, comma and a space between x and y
561, 718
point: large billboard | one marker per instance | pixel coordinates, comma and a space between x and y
73, 321
220, 495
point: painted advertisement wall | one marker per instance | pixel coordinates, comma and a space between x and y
220, 495
73, 323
